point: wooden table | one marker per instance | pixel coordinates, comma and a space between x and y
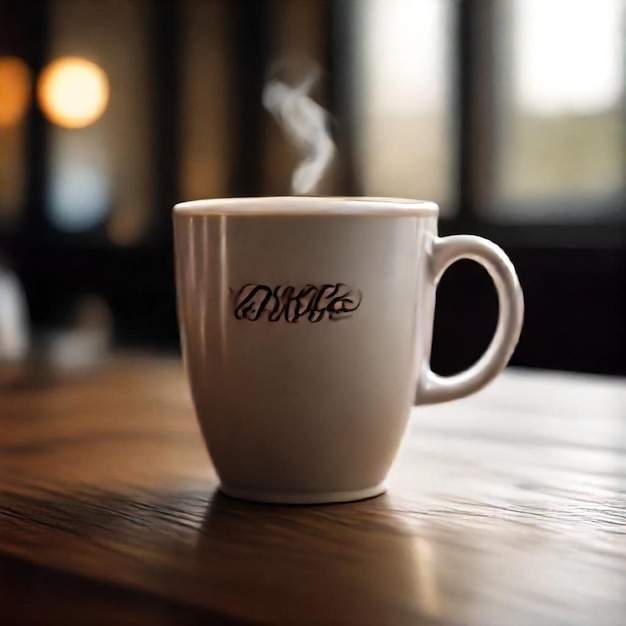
506, 508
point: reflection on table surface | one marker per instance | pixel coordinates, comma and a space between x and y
505, 508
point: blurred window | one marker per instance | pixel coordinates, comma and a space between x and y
205, 100
15, 94
561, 148
296, 53
99, 146
402, 98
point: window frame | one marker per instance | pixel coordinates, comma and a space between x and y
476, 99
574, 272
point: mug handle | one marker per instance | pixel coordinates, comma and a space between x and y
445, 251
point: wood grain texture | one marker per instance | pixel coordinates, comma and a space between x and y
505, 508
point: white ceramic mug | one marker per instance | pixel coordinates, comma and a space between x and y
306, 326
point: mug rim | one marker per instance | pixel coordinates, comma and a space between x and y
307, 205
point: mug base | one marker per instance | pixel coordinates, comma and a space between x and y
304, 498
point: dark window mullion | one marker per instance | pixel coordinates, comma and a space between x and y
340, 66
36, 56
166, 108
476, 107
249, 36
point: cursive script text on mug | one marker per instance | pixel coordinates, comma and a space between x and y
311, 303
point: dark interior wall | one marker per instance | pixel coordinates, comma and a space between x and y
575, 312
574, 318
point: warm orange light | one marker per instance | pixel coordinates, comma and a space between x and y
73, 92
14, 90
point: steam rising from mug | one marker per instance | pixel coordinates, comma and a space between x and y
306, 123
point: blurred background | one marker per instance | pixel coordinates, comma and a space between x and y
511, 114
